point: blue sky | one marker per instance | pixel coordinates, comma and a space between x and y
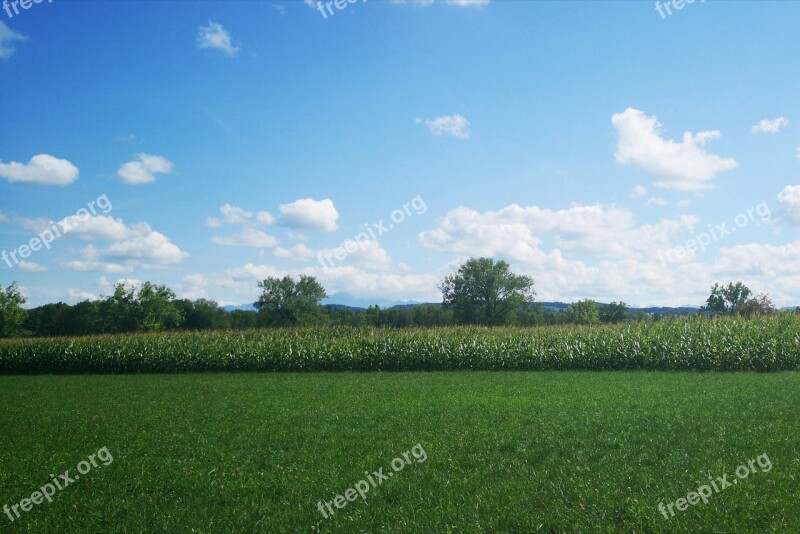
607, 151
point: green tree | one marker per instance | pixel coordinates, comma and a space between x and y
584, 312
613, 312
735, 299
486, 292
155, 309
760, 305
284, 302
12, 314
150, 309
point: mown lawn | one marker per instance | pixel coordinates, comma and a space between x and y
506, 451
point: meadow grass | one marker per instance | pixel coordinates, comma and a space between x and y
506, 451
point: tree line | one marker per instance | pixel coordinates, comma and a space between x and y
482, 291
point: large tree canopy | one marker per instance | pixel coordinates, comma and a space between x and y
12, 315
486, 292
284, 302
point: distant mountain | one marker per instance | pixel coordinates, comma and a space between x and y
241, 307
345, 300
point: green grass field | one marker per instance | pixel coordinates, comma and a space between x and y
506, 451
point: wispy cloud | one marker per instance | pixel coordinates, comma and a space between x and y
216, 37
7, 38
770, 126
453, 125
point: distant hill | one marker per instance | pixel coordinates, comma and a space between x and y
241, 307
344, 300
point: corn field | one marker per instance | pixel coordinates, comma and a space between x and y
732, 344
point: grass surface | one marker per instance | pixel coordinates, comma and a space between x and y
507, 452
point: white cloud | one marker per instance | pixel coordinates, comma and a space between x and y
655, 201
298, 253
453, 125
638, 192
144, 169
80, 296
130, 246
265, 217
297, 236
518, 233
683, 166
247, 237
41, 169
216, 37
365, 255
98, 227
32, 267
310, 214
770, 126
7, 38
237, 215
797, 154
97, 266
789, 199
239, 285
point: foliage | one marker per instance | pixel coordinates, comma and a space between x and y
613, 312
12, 314
734, 299
483, 291
728, 344
584, 312
284, 302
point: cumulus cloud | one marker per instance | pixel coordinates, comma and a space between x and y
789, 200
214, 36
76, 295
298, 253
237, 215
310, 214
238, 285
454, 125
684, 166
7, 39
655, 201
770, 126
518, 233
367, 255
132, 246
143, 169
247, 237
41, 169
32, 267
638, 192
96, 266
